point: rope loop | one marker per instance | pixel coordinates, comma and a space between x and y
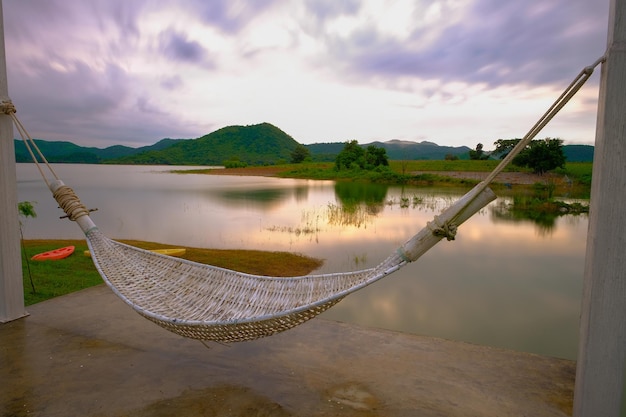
70, 203
7, 107
447, 229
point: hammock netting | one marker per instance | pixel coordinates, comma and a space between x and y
206, 302
210, 303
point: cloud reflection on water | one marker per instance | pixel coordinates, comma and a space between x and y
499, 283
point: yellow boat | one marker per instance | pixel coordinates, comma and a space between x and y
168, 252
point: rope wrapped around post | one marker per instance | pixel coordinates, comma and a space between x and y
446, 223
69, 201
7, 107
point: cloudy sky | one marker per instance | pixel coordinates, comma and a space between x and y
454, 72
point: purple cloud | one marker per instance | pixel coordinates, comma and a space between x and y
178, 47
230, 17
496, 43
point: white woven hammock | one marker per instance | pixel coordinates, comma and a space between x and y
210, 303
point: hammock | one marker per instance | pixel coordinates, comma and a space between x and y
210, 303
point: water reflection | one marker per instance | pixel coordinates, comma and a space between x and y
264, 198
500, 283
544, 218
349, 193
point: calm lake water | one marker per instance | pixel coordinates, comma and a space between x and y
506, 283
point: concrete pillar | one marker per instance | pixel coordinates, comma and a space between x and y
601, 369
11, 288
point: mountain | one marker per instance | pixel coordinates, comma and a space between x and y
262, 144
68, 152
578, 153
396, 150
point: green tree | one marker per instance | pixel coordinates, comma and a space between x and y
478, 154
376, 156
504, 146
351, 156
542, 155
354, 156
300, 154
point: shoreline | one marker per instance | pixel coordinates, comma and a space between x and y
518, 178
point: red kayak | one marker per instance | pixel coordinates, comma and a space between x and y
54, 255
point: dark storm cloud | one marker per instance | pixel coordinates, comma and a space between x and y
497, 43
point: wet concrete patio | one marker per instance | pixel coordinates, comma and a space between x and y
88, 354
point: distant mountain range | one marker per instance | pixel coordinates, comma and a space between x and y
68, 152
261, 144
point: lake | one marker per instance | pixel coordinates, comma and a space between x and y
503, 282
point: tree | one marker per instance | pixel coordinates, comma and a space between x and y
541, 155
352, 155
504, 146
300, 154
478, 154
375, 156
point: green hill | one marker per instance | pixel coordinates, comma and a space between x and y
578, 153
68, 152
262, 144
405, 150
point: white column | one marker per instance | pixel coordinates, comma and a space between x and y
11, 289
601, 369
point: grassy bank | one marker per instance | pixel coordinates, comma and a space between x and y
54, 278
399, 172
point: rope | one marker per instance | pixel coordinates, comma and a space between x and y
70, 203
447, 229
559, 103
7, 107
74, 209
563, 99
64, 195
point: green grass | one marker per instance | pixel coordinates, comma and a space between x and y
55, 278
577, 171
458, 165
76, 272
418, 173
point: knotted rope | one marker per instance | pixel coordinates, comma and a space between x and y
559, 103
64, 195
70, 203
8, 108
447, 229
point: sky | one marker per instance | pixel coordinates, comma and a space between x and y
453, 72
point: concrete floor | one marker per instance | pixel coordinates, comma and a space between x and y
88, 354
